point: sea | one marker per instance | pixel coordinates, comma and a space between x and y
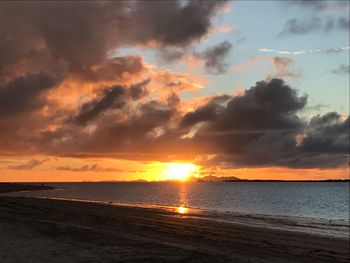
323, 200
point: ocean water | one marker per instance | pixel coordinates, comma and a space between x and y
329, 200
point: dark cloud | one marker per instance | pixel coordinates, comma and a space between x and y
312, 4
111, 98
344, 23
170, 54
24, 94
329, 25
259, 128
342, 70
327, 134
117, 69
207, 112
27, 166
125, 130
262, 128
303, 26
264, 117
44, 44
215, 57
316, 107
52, 49
318, 5
88, 168
79, 36
171, 23
267, 105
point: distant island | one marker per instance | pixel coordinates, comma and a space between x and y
213, 178
225, 179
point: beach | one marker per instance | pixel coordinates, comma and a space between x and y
48, 230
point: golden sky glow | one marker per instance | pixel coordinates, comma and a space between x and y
55, 169
180, 171
137, 98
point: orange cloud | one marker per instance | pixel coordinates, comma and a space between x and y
250, 63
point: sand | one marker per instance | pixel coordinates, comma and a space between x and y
44, 230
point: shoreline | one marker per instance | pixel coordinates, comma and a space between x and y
80, 230
166, 206
318, 226
76, 231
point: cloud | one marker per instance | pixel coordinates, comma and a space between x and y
238, 133
87, 168
344, 23
111, 98
319, 5
301, 26
27, 166
215, 56
116, 69
207, 112
224, 29
171, 23
332, 50
250, 62
342, 69
63, 92
57, 57
327, 134
314, 4
170, 54
316, 107
165, 81
78, 36
24, 93
301, 52
284, 69
267, 105
225, 130
281, 52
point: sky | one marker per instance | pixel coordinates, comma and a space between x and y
128, 90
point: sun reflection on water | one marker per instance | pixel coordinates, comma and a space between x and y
182, 210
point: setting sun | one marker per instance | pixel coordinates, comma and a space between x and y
180, 171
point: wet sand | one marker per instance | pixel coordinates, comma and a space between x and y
43, 230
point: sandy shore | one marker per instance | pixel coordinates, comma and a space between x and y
42, 230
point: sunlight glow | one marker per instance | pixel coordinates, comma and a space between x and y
180, 171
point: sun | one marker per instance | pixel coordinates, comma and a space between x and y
180, 171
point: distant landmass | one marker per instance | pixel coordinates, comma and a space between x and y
213, 178
120, 181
